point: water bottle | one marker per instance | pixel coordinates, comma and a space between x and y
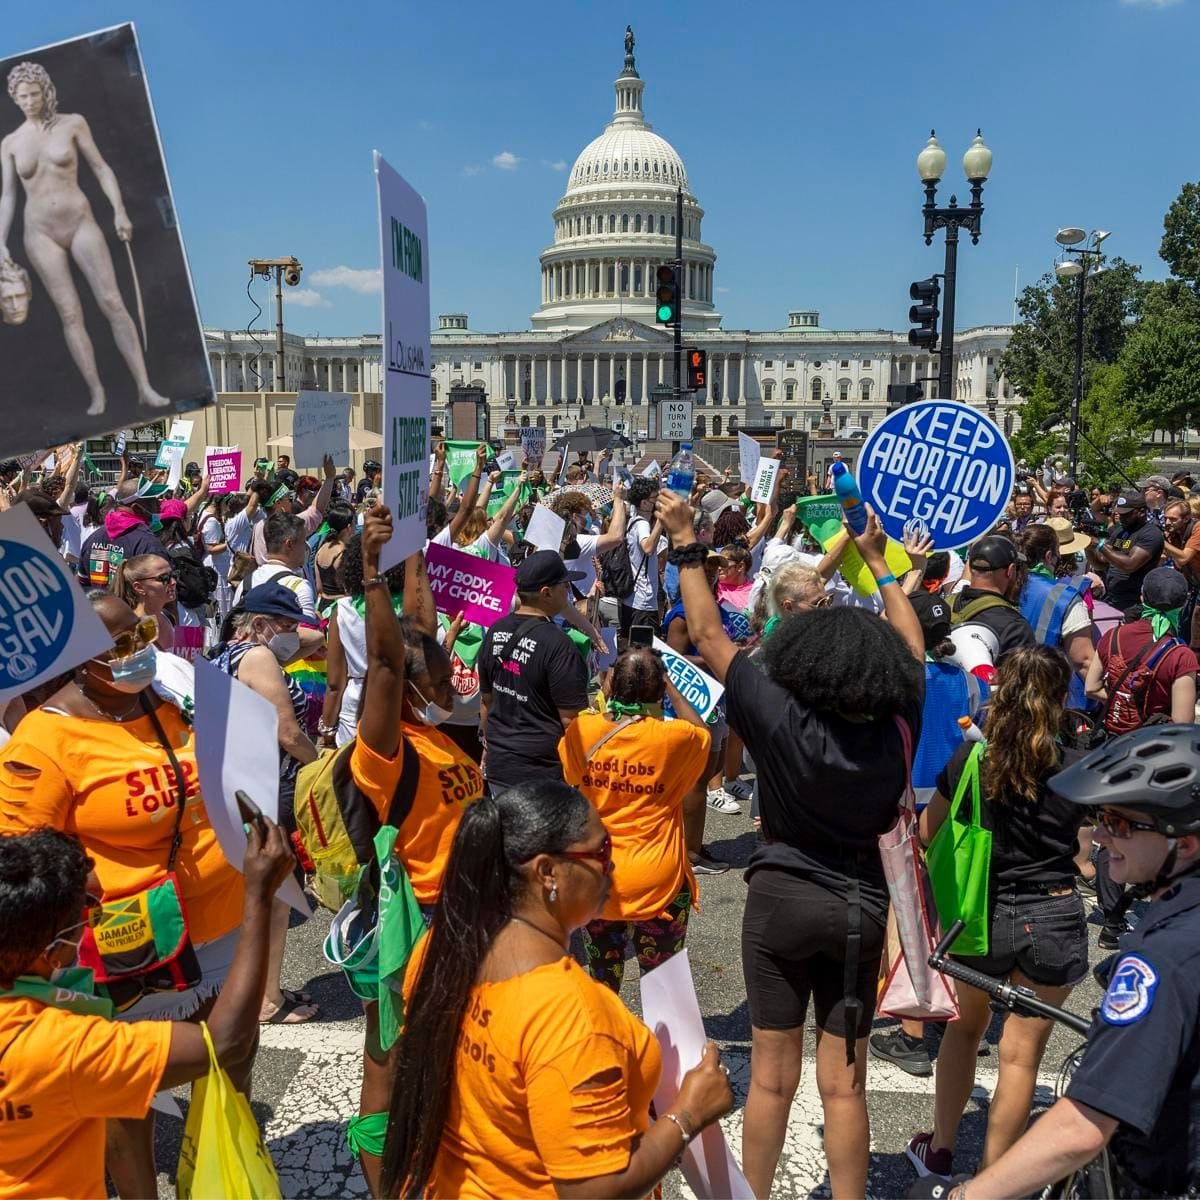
850, 497
970, 731
682, 472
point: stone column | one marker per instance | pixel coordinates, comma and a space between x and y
629, 376
645, 377
741, 378
595, 377
224, 377
725, 380
708, 392
563, 375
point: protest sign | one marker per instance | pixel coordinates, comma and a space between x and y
502, 491
175, 444
699, 689
511, 459
407, 360
822, 517
652, 470
938, 467
461, 461
237, 748
675, 420
749, 452
672, 1013
533, 442
764, 480
223, 464
545, 528
321, 426
462, 583
132, 352
47, 625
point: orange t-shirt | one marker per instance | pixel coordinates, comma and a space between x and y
60, 1077
447, 782
518, 1116
112, 785
637, 780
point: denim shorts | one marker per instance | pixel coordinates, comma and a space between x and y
1043, 936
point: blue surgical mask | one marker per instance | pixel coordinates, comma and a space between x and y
134, 673
430, 713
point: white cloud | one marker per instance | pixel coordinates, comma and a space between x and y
364, 280
305, 298
560, 165
506, 160
722, 289
1149, 3
473, 169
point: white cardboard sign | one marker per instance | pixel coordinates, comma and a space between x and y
533, 440
652, 470
545, 528
321, 426
749, 452
764, 480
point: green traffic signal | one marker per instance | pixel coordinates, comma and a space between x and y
667, 295
666, 313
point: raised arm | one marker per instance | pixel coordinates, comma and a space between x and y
896, 607
321, 500
105, 177
620, 518
495, 531
197, 498
438, 473
467, 504
419, 604
383, 694
8, 196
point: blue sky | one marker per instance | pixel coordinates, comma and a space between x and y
799, 124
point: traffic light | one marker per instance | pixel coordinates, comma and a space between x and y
697, 369
619, 391
924, 314
903, 393
666, 307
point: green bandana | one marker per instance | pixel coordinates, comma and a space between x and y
73, 991
1042, 570
468, 643
625, 710
1161, 620
770, 627
360, 604
278, 494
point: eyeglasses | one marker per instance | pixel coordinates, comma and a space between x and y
130, 641
166, 577
603, 856
822, 601
1120, 827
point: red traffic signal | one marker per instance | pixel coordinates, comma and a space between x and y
697, 370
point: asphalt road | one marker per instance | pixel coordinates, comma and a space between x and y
307, 1076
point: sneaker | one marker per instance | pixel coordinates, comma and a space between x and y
1110, 939
703, 865
909, 1054
739, 789
719, 800
926, 1159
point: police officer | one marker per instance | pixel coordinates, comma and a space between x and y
1136, 1089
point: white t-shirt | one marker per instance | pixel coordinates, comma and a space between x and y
587, 551
644, 597
240, 528
286, 577
481, 547
72, 538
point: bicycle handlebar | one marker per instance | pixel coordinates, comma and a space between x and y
1015, 999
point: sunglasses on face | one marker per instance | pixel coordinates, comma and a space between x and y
165, 578
603, 855
130, 641
1121, 828
822, 601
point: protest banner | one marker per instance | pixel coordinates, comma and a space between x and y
100, 181
502, 490
764, 480
175, 444
938, 467
223, 464
697, 687
822, 517
671, 1012
321, 426
407, 360
545, 528
47, 625
462, 583
749, 452
237, 748
533, 442
461, 460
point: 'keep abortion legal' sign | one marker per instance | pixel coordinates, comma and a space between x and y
939, 467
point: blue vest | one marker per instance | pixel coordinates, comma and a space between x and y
1044, 605
950, 693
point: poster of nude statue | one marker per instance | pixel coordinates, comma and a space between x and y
98, 321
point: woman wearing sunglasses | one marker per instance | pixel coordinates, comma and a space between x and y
517, 1074
146, 582
1037, 937
105, 758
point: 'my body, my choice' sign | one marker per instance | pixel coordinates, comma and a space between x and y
940, 467
461, 583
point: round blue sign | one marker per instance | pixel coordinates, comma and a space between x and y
37, 613
939, 467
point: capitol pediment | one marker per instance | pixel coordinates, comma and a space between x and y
619, 329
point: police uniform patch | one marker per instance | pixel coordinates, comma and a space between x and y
1130, 992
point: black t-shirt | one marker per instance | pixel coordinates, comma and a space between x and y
101, 555
529, 682
1031, 843
1123, 589
827, 786
1005, 620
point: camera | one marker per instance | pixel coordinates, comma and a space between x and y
291, 275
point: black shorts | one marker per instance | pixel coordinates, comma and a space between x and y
630, 617
794, 945
1043, 936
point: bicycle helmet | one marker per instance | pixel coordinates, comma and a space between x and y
1155, 770
371, 466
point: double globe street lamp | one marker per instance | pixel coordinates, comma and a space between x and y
931, 163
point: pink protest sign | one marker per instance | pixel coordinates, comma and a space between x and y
224, 472
481, 590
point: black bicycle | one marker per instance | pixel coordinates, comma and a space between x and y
1092, 1181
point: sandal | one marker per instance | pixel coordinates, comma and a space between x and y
296, 997
288, 1013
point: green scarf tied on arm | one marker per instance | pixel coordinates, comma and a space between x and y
1162, 620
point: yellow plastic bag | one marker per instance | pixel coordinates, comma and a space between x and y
222, 1153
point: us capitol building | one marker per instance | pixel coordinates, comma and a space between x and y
613, 226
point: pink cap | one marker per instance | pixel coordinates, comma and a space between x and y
172, 510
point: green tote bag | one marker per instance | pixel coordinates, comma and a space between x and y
959, 861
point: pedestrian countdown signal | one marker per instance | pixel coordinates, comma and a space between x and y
697, 370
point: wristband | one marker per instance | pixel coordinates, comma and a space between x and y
381, 581
691, 555
683, 1129
884, 580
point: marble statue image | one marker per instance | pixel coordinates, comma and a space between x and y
15, 292
43, 155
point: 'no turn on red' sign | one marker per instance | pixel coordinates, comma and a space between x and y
675, 420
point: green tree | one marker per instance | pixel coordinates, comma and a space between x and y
1160, 363
1029, 443
1107, 422
1180, 246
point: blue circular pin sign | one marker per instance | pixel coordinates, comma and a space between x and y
938, 466
37, 613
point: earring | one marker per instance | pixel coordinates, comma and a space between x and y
554, 894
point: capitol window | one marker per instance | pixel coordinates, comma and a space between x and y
866, 362
637, 223
865, 390
789, 393
768, 392
624, 224
770, 362
477, 366
845, 363
588, 225
790, 364
662, 224
816, 390
844, 390
612, 223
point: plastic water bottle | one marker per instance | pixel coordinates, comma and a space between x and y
970, 731
849, 496
682, 473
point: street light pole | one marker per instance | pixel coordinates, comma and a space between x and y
682, 288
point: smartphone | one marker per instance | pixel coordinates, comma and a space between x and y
641, 635
251, 813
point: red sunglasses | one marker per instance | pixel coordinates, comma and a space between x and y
603, 856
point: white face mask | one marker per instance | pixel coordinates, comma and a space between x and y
284, 645
430, 713
133, 673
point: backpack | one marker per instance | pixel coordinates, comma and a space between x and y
195, 583
616, 570
1127, 697
337, 823
964, 614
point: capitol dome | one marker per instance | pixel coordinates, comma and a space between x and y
615, 225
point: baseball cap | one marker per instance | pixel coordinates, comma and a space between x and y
714, 503
193, 468
172, 510
934, 614
1164, 588
1069, 542
992, 553
272, 600
1129, 500
544, 568
1159, 481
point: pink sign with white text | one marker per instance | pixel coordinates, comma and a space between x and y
461, 583
224, 472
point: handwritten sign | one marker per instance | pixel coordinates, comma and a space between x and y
461, 583
223, 465
533, 442
321, 426
749, 452
47, 625
764, 480
545, 528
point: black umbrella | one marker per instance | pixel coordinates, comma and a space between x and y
591, 437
